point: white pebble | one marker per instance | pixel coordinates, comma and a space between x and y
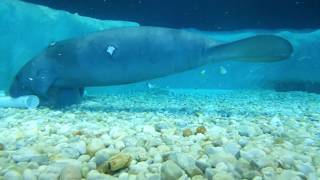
12, 175
29, 175
119, 145
71, 172
94, 146
149, 129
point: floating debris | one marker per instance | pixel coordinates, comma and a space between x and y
203, 72
223, 70
151, 86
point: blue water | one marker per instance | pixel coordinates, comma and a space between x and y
229, 120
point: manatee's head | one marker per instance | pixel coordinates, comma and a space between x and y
22, 82
32, 79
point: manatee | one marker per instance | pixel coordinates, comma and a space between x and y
118, 56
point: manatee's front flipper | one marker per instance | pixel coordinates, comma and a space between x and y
262, 48
62, 97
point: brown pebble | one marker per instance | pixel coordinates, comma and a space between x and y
77, 133
1, 147
201, 129
115, 163
187, 132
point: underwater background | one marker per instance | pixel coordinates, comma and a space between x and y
228, 120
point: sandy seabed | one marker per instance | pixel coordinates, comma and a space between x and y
166, 134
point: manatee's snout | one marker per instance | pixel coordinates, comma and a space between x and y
19, 87
22, 83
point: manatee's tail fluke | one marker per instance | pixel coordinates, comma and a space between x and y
261, 48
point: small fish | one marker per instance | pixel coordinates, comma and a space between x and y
223, 70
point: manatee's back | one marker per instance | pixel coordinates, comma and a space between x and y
133, 54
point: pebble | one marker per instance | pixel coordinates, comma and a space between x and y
213, 150
80, 146
186, 162
201, 130
232, 148
221, 166
203, 165
243, 142
69, 152
187, 132
223, 176
222, 157
116, 162
119, 145
94, 146
95, 175
101, 156
198, 177
288, 174
269, 173
140, 167
247, 130
71, 172
181, 123
84, 158
252, 154
170, 171
305, 168
92, 165
258, 178
46, 176
27, 154
116, 133
161, 126
29, 175
137, 153
209, 173
263, 162
85, 170
149, 130
286, 161
12, 175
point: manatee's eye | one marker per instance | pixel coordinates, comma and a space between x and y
42, 74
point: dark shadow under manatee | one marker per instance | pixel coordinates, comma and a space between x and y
295, 85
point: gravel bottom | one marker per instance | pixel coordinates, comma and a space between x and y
162, 134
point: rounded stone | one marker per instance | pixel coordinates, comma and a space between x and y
71, 172
201, 130
223, 176
94, 146
29, 175
12, 175
187, 132
170, 171
115, 163
232, 148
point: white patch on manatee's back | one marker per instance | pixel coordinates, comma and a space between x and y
110, 49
